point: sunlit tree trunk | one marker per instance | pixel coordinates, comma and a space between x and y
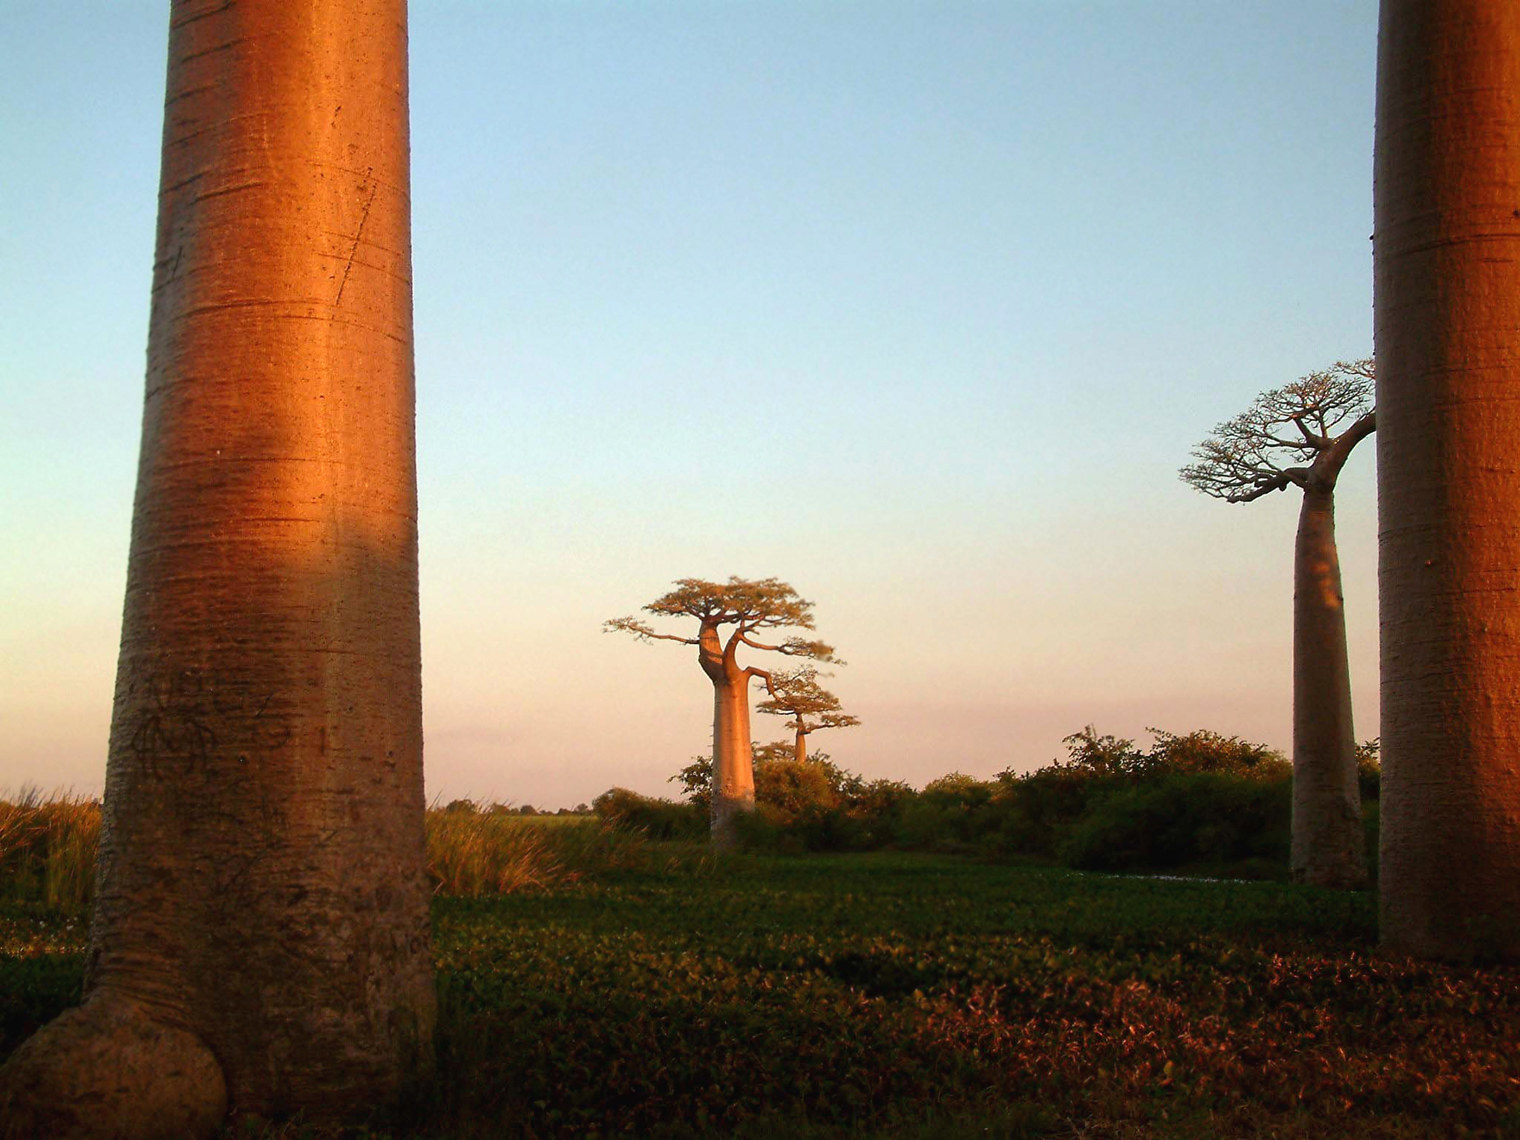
1447, 269
733, 786
1327, 847
799, 749
733, 789
260, 936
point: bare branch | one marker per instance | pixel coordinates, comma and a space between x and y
764, 675
1318, 442
1359, 431
642, 631
1250, 456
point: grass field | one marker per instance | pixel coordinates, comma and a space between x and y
918, 996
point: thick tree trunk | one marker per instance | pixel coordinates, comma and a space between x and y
799, 750
261, 934
1447, 277
733, 788
1327, 818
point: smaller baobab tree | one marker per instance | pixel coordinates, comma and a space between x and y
1300, 435
728, 616
796, 693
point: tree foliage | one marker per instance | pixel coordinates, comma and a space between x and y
749, 605
797, 694
1285, 434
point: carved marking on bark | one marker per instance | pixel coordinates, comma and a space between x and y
374, 189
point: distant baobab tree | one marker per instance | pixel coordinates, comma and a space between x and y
1446, 303
1300, 435
744, 607
797, 694
260, 933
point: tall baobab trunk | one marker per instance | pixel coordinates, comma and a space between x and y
733, 780
1327, 816
799, 749
260, 936
1447, 276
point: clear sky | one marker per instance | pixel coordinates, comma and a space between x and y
916, 305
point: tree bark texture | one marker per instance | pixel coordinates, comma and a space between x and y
262, 903
799, 749
1447, 309
1328, 847
733, 791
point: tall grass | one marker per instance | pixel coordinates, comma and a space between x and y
492, 853
48, 847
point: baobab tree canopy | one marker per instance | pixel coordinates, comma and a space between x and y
798, 695
749, 607
746, 604
1279, 439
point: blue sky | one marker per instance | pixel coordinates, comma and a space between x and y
918, 306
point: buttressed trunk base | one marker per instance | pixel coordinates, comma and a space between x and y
1328, 847
260, 936
1447, 314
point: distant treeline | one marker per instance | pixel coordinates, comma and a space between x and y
1198, 802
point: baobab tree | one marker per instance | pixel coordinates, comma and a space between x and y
728, 617
797, 694
260, 935
1447, 327
1300, 435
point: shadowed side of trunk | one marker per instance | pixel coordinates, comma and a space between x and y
262, 892
1327, 820
1447, 283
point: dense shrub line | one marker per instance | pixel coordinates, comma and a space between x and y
1200, 801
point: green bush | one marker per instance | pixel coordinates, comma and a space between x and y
791, 786
1182, 820
656, 819
1192, 799
1031, 814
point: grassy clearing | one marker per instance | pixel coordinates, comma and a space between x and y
920, 996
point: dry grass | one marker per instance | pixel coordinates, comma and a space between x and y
471, 854
48, 847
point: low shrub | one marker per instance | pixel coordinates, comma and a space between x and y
1186, 819
1031, 814
627, 810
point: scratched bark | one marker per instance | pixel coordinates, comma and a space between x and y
1447, 311
262, 882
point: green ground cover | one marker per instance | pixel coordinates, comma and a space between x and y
917, 996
